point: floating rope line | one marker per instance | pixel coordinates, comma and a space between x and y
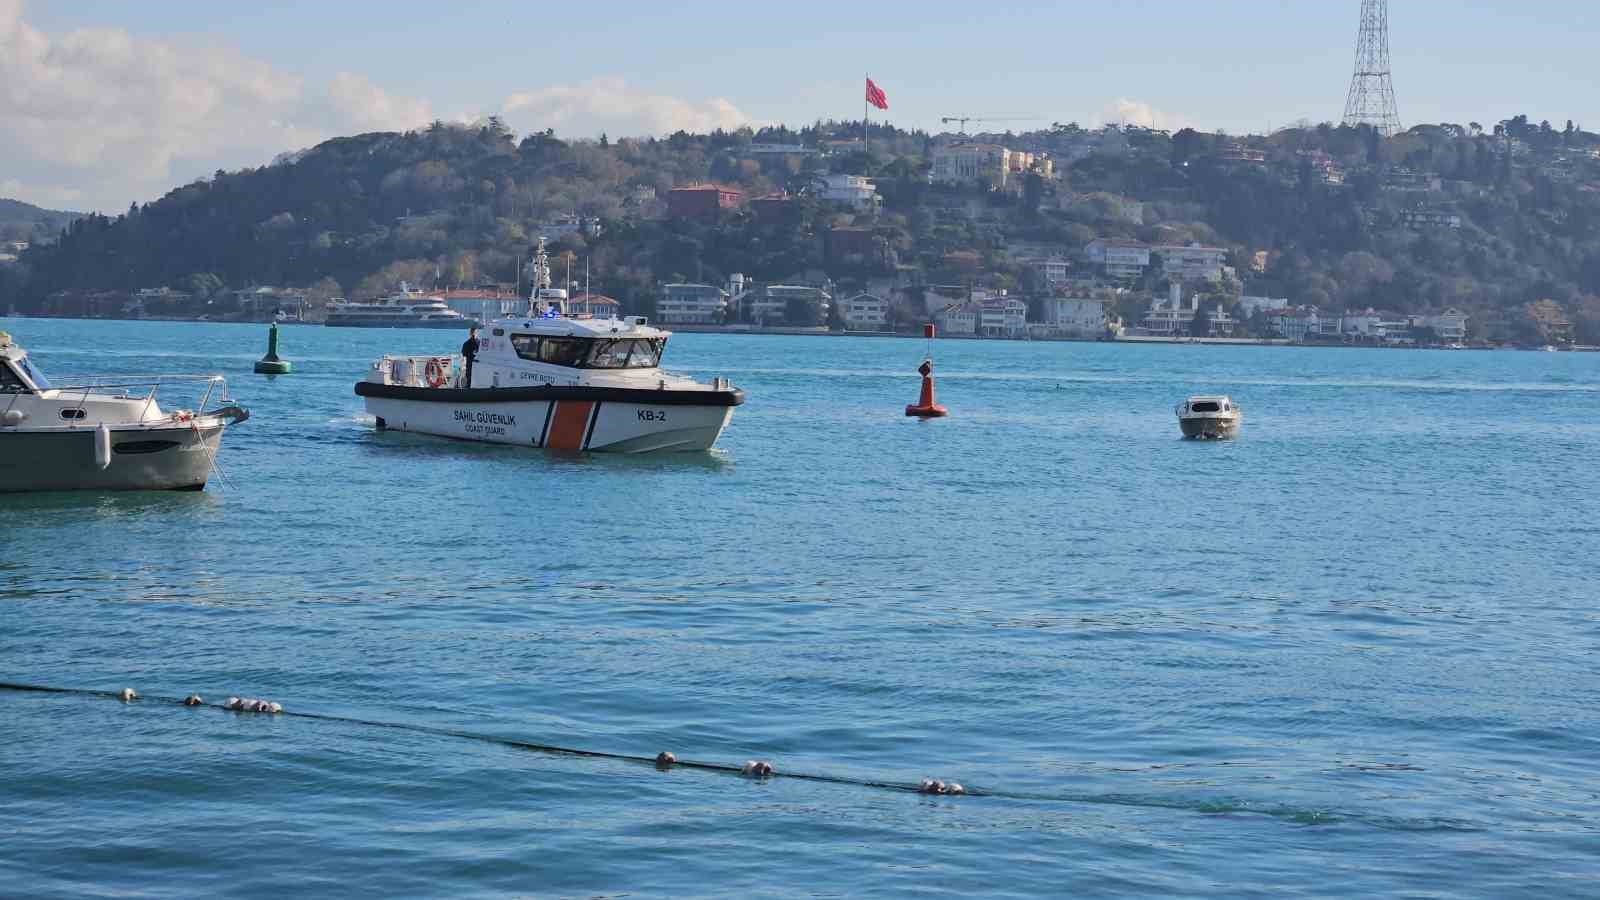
664, 760
763, 770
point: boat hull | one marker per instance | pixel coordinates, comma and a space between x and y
142, 459
558, 418
1208, 428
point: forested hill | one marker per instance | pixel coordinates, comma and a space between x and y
24, 222
1320, 215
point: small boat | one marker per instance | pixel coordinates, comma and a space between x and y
105, 434
549, 380
1209, 417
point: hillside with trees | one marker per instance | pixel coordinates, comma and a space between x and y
1320, 215
25, 222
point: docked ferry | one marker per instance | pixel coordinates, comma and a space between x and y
405, 308
546, 379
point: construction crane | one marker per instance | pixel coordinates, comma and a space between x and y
965, 119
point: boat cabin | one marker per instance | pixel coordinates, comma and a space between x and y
1206, 405
17, 374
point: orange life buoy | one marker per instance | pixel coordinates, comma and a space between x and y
434, 372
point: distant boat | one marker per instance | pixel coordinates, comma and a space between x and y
405, 308
1213, 417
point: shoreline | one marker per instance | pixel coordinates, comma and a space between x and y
824, 332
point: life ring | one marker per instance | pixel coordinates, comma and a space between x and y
434, 372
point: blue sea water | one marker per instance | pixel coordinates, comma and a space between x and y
1351, 653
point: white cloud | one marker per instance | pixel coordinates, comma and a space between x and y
101, 118
96, 118
610, 105
1134, 112
356, 101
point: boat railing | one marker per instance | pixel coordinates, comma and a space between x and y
91, 385
413, 371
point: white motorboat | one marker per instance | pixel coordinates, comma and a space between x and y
405, 308
1209, 417
549, 380
104, 433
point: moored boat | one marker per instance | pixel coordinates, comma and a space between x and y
549, 380
406, 308
1214, 416
105, 433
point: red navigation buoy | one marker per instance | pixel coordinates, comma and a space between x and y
925, 408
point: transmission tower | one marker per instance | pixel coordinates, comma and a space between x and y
1371, 100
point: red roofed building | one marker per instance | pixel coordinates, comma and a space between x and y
595, 306
702, 201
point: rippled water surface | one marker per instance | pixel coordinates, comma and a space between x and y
1353, 652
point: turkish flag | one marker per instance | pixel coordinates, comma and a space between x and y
875, 95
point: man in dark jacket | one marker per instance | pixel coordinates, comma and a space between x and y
469, 352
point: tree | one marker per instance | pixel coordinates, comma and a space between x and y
1032, 193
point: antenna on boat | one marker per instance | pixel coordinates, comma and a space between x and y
541, 276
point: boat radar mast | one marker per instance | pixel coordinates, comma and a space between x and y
543, 300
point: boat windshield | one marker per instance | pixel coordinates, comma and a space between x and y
590, 353
9, 382
1205, 406
633, 353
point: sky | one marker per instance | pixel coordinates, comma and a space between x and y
108, 102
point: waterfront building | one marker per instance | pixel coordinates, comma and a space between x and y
1303, 323
958, 319
1450, 325
1076, 316
484, 304
1002, 316
785, 304
866, 312
691, 304
595, 306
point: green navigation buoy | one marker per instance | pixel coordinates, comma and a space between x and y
271, 364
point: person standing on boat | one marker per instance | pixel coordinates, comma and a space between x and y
469, 352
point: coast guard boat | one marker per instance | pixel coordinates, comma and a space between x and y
549, 380
99, 435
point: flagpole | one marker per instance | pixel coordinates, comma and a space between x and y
865, 147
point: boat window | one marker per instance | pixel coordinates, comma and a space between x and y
526, 345
558, 351
561, 351
629, 353
647, 353
609, 355
9, 382
1205, 406
144, 446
